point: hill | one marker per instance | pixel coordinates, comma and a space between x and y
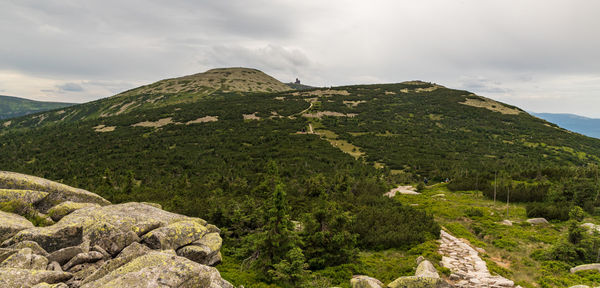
321, 158
583, 125
181, 90
11, 107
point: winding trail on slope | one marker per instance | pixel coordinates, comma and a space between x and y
468, 269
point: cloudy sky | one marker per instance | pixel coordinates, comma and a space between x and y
543, 56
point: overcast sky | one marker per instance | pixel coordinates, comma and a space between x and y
542, 56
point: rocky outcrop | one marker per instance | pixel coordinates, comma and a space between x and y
361, 281
96, 244
11, 224
25, 196
426, 276
57, 192
468, 269
537, 221
61, 210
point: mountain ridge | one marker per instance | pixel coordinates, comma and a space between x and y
576, 123
11, 106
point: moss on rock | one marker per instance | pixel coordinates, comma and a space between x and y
59, 211
27, 196
11, 224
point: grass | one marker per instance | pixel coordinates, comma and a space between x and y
508, 249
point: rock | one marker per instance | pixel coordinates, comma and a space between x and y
129, 253
82, 271
438, 195
54, 266
175, 235
361, 281
418, 282
46, 285
25, 196
580, 286
62, 256
110, 238
105, 254
36, 248
51, 238
59, 211
89, 257
202, 251
158, 269
537, 221
11, 224
25, 259
420, 259
5, 253
586, 267
15, 277
57, 192
156, 205
135, 249
426, 269
506, 222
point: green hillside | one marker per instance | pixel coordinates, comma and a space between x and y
227, 154
11, 107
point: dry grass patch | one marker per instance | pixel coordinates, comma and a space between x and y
353, 103
155, 124
490, 104
7, 123
251, 116
320, 114
103, 128
203, 120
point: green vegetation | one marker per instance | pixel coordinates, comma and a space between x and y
11, 107
298, 210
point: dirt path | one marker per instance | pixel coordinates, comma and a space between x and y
468, 270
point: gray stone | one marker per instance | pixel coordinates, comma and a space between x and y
46, 285
426, 269
36, 248
506, 222
175, 235
11, 224
15, 277
161, 269
362, 281
50, 238
89, 257
54, 266
25, 259
63, 256
537, 221
25, 196
204, 250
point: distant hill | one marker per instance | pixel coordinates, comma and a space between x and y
11, 107
583, 125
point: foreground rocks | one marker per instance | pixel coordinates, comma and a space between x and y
426, 276
96, 244
468, 269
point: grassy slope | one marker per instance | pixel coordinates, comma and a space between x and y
14, 107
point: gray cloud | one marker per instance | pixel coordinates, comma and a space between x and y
70, 87
525, 55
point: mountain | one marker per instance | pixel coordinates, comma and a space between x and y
267, 163
584, 125
14, 107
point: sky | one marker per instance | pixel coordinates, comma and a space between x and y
542, 56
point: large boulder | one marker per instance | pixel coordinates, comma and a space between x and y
426, 269
61, 210
11, 223
57, 192
175, 235
159, 269
25, 196
16, 277
51, 238
34, 246
537, 221
25, 259
362, 281
204, 251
